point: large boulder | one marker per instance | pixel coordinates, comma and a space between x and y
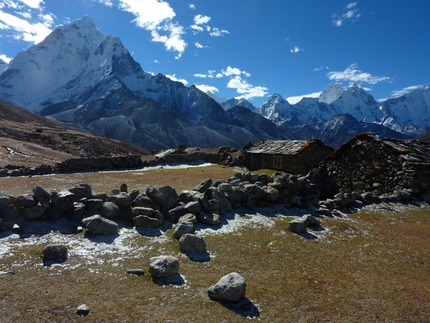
42, 195
33, 212
25, 200
110, 210
272, 194
121, 199
93, 204
224, 204
237, 196
231, 287
183, 228
97, 224
81, 191
174, 214
192, 243
163, 266
6, 199
203, 186
165, 196
63, 199
10, 213
254, 191
209, 218
147, 217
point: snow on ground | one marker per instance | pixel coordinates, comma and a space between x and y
128, 243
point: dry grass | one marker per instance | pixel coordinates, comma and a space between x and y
372, 268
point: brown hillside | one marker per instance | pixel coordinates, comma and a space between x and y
29, 139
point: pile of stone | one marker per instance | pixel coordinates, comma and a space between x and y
205, 203
371, 169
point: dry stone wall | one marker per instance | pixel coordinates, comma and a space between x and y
206, 203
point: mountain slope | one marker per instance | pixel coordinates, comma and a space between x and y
30, 139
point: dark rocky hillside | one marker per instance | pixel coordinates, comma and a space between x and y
30, 139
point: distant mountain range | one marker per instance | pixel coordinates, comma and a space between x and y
90, 82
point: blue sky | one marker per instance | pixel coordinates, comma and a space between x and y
250, 48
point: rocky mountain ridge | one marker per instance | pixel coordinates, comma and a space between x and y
90, 82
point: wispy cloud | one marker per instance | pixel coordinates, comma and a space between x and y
297, 99
156, 16
201, 24
408, 89
353, 74
236, 80
25, 20
351, 14
174, 78
207, 88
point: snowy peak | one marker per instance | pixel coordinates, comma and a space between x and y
241, 102
276, 109
331, 93
75, 63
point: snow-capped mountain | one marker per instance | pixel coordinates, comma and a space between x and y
403, 114
241, 102
277, 109
3, 65
90, 82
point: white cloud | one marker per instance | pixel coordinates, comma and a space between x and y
149, 13
196, 28
216, 32
174, 78
351, 14
198, 45
155, 16
353, 74
34, 4
201, 20
296, 99
233, 71
107, 3
247, 90
20, 28
320, 68
200, 75
408, 89
295, 50
207, 88
5, 59
192, 6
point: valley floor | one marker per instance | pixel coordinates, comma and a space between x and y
371, 266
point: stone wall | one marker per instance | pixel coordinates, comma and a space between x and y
206, 203
376, 165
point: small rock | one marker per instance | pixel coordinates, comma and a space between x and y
163, 266
136, 271
183, 228
54, 252
83, 310
231, 287
97, 224
298, 225
192, 243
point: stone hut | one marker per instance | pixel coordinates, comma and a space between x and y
376, 164
291, 156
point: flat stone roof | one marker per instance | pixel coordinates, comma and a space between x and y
278, 147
